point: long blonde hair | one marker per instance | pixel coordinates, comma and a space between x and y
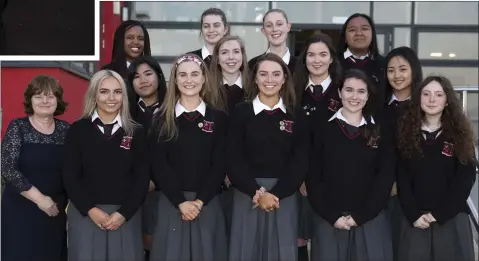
90, 105
216, 71
165, 121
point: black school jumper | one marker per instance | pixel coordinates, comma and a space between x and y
374, 69
392, 113
348, 176
143, 114
440, 184
234, 95
321, 107
207, 59
190, 167
318, 110
110, 173
269, 149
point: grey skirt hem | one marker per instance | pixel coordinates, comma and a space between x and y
263, 236
451, 241
305, 217
371, 241
226, 199
87, 242
203, 239
396, 215
149, 212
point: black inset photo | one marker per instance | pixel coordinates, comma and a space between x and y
47, 27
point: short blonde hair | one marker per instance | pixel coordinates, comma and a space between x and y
90, 106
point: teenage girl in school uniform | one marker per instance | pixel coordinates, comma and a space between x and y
229, 72
268, 145
131, 40
214, 26
105, 175
148, 91
358, 49
317, 78
188, 145
404, 75
436, 174
349, 187
276, 28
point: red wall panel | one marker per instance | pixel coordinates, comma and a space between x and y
108, 22
14, 81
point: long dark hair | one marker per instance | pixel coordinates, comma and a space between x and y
286, 93
118, 56
373, 47
371, 131
132, 95
455, 125
416, 70
301, 73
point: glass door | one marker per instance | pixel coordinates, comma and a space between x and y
385, 39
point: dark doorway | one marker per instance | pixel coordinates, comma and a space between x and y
300, 36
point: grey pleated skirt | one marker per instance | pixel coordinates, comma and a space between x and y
203, 239
149, 212
87, 242
264, 236
452, 241
396, 217
226, 199
369, 242
305, 218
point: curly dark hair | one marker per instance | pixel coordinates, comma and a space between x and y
455, 125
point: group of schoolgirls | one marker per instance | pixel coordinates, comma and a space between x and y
249, 160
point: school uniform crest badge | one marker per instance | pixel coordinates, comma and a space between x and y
333, 105
286, 125
448, 149
126, 142
206, 126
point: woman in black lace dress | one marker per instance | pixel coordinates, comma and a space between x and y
34, 201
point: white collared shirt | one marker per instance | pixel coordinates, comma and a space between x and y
340, 116
238, 82
394, 98
204, 52
179, 109
258, 106
324, 83
141, 100
426, 128
128, 64
115, 127
286, 57
348, 54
